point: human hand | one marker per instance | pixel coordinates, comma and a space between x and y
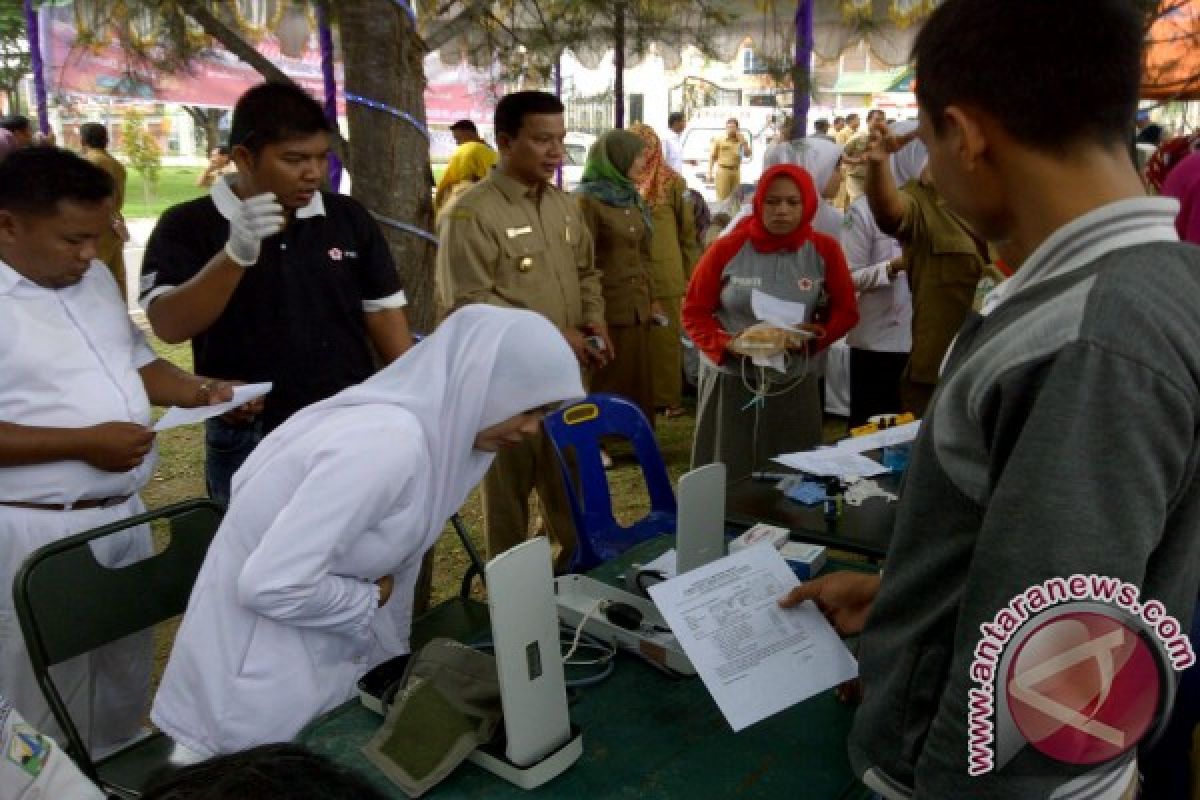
845, 598
116, 446
245, 413
807, 342
209, 392
658, 315
385, 584
882, 143
600, 356
255, 219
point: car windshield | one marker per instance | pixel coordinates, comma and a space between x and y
576, 155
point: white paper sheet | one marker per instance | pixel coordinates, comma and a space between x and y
773, 311
176, 416
667, 564
755, 658
832, 462
884, 438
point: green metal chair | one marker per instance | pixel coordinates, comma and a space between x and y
105, 605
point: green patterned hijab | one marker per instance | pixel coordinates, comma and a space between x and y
606, 174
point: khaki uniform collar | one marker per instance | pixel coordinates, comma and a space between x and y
512, 189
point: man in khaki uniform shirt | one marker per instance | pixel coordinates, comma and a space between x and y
515, 240
943, 258
111, 247
727, 153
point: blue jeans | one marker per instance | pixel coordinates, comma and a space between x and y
226, 447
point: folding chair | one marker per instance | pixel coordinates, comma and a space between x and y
575, 433
104, 605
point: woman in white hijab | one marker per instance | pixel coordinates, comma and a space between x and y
309, 581
880, 343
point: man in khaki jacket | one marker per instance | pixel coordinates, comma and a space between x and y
111, 248
515, 240
726, 158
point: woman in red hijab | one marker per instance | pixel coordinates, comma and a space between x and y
758, 393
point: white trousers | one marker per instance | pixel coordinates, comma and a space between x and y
107, 690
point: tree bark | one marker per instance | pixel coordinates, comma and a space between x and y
206, 119
389, 157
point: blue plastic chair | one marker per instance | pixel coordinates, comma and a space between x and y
576, 432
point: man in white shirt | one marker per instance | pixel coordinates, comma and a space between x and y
76, 382
673, 141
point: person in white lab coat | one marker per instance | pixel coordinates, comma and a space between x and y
309, 581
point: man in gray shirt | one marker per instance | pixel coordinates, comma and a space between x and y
1028, 630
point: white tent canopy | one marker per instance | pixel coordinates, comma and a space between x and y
887, 26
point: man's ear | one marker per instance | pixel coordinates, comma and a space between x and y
967, 136
243, 158
9, 227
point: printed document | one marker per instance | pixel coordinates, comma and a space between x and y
832, 462
755, 658
176, 416
901, 434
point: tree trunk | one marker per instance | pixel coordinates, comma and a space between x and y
206, 119
389, 157
619, 64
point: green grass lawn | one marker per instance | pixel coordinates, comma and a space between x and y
178, 184
175, 185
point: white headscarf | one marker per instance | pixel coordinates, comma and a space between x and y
818, 156
483, 365
908, 161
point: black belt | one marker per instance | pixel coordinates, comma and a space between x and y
78, 505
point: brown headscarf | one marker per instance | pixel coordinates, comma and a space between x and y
656, 177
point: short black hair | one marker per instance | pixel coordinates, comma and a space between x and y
1060, 82
34, 180
93, 135
15, 122
224, 150
267, 772
513, 108
676, 116
464, 125
821, 125
275, 112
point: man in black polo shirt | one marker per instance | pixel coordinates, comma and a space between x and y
272, 279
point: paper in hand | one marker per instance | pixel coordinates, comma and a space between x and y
755, 658
175, 416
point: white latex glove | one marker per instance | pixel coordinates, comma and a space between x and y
256, 218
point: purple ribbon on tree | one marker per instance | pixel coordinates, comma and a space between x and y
35, 63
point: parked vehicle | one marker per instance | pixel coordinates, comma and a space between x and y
575, 158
